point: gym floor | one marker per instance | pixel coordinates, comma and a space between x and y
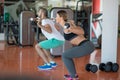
21, 62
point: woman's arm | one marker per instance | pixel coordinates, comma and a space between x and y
74, 29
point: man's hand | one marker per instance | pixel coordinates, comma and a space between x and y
39, 22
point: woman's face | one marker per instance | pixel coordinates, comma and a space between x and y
58, 18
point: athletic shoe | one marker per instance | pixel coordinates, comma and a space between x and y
45, 67
53, 64
68, 77
71, 79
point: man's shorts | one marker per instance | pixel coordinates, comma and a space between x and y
51, 43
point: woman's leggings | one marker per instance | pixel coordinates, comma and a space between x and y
82, 49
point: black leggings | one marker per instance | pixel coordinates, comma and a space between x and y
82, 49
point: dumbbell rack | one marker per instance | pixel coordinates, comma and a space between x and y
109, 37
109, 40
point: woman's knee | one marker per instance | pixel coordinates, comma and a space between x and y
64, 55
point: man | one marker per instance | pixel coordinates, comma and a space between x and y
54, 39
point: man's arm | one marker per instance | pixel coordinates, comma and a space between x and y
57, 27
46, 27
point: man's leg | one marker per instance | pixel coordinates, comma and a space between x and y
47, 53
41, 53
50, 59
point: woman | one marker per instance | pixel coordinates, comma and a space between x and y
81, 47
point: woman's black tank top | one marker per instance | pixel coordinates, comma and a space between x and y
69, 36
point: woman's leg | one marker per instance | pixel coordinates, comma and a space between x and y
76, 52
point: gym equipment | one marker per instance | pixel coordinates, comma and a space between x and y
82, 16
91, 67
6, 17
95, 22
109, 40
59, 50
26, 32
95, 26
12, 33
96, 19
67, 25
108, 67
1, 24
99, 41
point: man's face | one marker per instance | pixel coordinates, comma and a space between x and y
39, 13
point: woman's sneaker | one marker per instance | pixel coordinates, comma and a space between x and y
71, 79
68, 77
45, 67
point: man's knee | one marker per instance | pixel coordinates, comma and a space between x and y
37, 46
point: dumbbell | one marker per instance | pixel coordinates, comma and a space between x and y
109, 66
92, 68
115, 67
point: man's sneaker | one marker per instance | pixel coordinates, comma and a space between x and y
45, 67
68, 77
53, 64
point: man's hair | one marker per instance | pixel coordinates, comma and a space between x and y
63, 14
44, 11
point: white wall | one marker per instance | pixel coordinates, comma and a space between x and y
55, 3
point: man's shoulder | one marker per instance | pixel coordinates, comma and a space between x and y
46, 20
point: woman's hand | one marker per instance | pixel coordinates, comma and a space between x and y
75, 29
67, 31
72, 23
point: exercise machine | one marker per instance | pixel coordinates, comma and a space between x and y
12, 33
109, 31
109, 37
26, 32
82, 16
